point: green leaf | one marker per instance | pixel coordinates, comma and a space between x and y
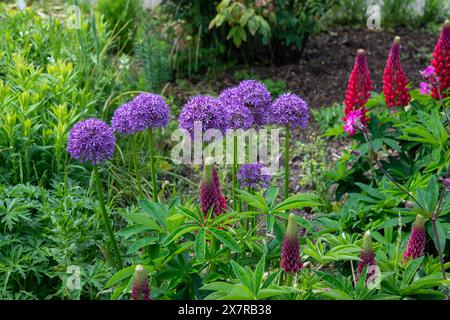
120, 275
141, 243
255, 200
218, 286
298, 201
144, 220
156, 210
241, 274
442, 234
178, 232
258, 274
200, 245
410, 271
226, 239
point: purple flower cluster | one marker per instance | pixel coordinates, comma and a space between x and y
147, 110
251, 175
290, 252
209, 111
91, 140
290, 110
257, 98
240, 115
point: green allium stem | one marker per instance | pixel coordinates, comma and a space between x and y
286, 162
106, 220
234, 173
136, 166
152, 167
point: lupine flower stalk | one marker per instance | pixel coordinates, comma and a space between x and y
290, 253
140, 289
290, 111
93, 141
359, 86
441, 63
367, 257
394, 79
416, 243
211, 197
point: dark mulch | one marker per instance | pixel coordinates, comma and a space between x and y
322, 74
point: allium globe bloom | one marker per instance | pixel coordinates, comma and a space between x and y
394, 79
209, 111
257, 98
290, 110
252, 175
124, 120
441, 62
91, 140
148, 110
416, 242
359, 86
367, 257
140, 289
290, 252
354, 121
240, 115
211, 197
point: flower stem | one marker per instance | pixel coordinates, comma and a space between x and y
289, 279
152, 167
234, 173
136, 166
107, 221
286, 162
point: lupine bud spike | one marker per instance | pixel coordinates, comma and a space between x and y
416, 242
367, 256
291, 229
140, 289
367, 241
210, 191
441, 62
290, 253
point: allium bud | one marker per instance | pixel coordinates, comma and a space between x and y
446, 183
416, 242
367, 256
140, 289
441, 61
409, 204
210, 192
394, 79
290, 254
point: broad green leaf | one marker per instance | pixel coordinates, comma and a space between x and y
226, 239
241, 274
410, 271
144, 220
200, 245
178, 232
258, 274
141, 243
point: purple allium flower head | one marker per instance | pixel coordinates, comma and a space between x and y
209, 111
290, 253
367, 257
290, 110
251, 175
416, 242
148, 110
124, 120
257, 98
140, 289
241, 116
91, 140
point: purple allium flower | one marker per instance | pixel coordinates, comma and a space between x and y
140, 289
241, 116
367, 257
148, 110
251, 175
416, 242
209, 111
290, 253
91, 140
124, 120
290, 110
257, 98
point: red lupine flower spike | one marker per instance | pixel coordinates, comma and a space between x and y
416, 242
290, 254
394, 79
367, 256
210, 192
441, 62
359, 86
140, 289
